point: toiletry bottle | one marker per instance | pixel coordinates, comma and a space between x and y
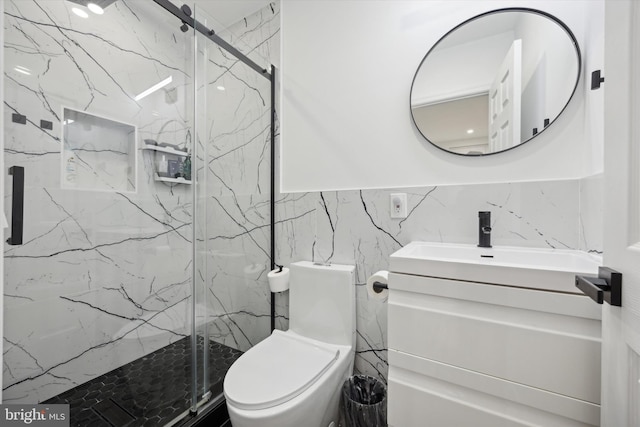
181, 168
163, 168
187, 168
71, 169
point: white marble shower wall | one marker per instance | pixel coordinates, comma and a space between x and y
236, 140
103, 276
354, 227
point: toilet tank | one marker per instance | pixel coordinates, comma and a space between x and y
322, 302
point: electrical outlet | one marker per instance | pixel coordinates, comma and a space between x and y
398, 205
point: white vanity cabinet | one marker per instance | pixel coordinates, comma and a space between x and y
464, 353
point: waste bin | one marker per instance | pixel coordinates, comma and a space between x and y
363, 402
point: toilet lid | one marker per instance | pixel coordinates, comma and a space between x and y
275, 371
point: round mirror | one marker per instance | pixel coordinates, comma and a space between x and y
495, 81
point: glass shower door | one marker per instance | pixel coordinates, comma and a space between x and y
233, 142
98, 291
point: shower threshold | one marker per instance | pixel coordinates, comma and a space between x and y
150, 391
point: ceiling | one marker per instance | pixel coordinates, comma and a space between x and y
450, 121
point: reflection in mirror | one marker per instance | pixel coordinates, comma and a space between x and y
495, 81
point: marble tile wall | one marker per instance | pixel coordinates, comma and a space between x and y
592, 214
235, 142
102, 277
354, 227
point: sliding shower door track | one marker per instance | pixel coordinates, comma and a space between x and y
211, 35
211, 413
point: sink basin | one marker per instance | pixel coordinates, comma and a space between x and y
536, 268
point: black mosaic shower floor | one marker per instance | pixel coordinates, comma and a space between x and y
150, 391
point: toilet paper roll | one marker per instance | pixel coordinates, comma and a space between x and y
278, 280
381, 276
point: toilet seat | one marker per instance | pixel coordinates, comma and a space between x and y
276, 370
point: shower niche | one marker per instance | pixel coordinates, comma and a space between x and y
97, 153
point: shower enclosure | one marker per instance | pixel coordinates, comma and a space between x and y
135, 272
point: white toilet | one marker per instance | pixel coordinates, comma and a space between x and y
294, 378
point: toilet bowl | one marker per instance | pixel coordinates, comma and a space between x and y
293, 378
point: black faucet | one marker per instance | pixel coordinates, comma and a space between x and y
484, 229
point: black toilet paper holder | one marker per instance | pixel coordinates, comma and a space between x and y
379, 287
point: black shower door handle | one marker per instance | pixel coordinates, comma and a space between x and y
17, 205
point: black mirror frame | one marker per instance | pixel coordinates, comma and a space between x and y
492, 12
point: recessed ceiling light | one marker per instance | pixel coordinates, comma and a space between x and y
220, 87
81, 13
95, 8
469, 131
23, 70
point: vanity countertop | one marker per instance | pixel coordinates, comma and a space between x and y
536, 268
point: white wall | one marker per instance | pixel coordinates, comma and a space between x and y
548, 71
593, 59
345, 108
